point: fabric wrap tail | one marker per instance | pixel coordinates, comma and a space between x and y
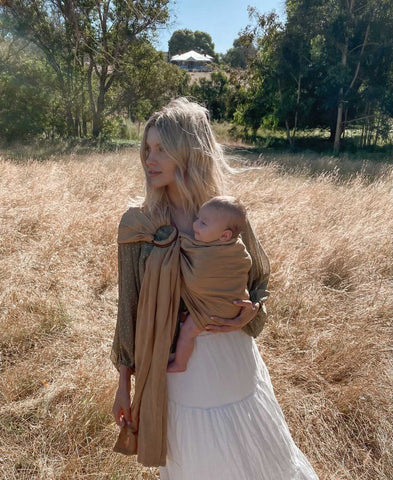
155, 328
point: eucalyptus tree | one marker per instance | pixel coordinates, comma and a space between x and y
328, 65
86, 42
357, 54
350, 59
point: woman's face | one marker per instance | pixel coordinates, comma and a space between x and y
160, 166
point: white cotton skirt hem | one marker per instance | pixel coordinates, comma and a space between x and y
224, 422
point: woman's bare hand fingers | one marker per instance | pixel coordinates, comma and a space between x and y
248, 312
116, 415
122, 408
243, 303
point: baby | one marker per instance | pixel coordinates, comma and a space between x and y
219, 223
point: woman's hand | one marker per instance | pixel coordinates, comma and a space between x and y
247, 313
122, 407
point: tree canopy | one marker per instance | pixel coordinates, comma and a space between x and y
185, 40
329, 65
240, 55
87, 44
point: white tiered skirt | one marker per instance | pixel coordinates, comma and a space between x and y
224, 422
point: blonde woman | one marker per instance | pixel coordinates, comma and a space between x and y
219, 419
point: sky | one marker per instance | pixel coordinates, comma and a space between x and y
221, 19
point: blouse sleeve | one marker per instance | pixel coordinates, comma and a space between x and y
123, 346
258, 280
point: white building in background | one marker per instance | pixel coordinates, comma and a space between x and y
193, 61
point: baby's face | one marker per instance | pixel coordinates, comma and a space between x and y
210, 225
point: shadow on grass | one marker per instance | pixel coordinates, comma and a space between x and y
370, 167
45, 149
308, 140
322, 145
312, 154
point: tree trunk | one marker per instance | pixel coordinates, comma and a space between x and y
287, 129
96, 127
336, 146
344, 124
378, 129
289, 137
344, 58
98, 120
297, 110
69, 117
337, 136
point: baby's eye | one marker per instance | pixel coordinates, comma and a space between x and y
160, 149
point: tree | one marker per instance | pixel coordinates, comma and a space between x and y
30, 21
261, 81
358, 30
148, 83
204, 43
185, 40
328, 66
213, 93
27, 97
86, 42
240, 55
350, 42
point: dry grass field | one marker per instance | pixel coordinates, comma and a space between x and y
328, 343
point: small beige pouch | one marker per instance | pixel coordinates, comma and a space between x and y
127, 441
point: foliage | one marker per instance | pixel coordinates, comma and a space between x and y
87, 43
148, 83
240, 54
73, 68
220, 94
329, 66
212, 92
185, 40
29, 103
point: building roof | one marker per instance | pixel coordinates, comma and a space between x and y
191, 56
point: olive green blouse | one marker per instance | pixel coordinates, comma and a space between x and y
131, 266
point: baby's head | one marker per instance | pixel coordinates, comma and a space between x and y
220, 218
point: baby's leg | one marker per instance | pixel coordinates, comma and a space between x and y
185, 346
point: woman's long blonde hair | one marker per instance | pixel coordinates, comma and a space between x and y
187, 137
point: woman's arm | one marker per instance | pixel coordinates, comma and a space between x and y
129, 286
122, 354
252, 316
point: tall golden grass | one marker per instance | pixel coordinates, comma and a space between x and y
328, 343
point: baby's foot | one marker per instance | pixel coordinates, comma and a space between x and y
174, 367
